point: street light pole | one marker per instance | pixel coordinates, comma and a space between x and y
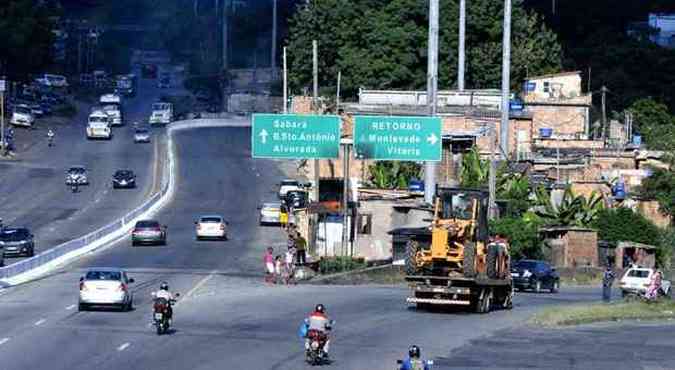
432, 87
506, 80
462, 38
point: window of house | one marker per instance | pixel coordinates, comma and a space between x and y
365, 223
547, 87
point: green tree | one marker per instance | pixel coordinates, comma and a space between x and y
655, 123
523, 236
660, 186
382, 44
26, 38
393, 175
514, 188
475, 171
573, 210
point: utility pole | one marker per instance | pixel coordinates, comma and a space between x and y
506, 80
285, 84
226, 30
432, 86
79, 53
462, 38
337, 94
345, 194
604, 112
492, 175
3, 82
273, 61
315, 108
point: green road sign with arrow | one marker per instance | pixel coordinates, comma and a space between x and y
295, 136
398, 138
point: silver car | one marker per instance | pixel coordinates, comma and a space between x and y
270, 213
141, 136
105, 287
77, 175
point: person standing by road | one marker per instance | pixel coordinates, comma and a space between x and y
283, 214
300, 246
268, 260
607, 281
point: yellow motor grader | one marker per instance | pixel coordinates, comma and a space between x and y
453, 261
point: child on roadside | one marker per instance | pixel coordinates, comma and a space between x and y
268, 261
278, 270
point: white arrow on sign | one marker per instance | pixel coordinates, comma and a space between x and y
432, 139
263, 136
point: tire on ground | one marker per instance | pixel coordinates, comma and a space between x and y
469, 263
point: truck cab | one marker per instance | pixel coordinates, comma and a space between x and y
162, 113
111, 104
98, 125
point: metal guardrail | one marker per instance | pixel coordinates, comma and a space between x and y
166, 186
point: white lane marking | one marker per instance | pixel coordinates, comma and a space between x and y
3, 341
40, 322
197, 286
70, 307
123, 346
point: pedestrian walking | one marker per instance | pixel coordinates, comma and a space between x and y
278, 270
289, 263
607, 281
283, 214
268, 260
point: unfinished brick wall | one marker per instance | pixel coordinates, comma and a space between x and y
650, 209
581, 248
462, 125
566, 121
302, 105
568, 144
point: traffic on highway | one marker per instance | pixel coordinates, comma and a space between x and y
352, 185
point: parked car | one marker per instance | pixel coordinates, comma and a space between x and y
105, 287
416, 186
297, 199
141, 136
270, 213
148, 232
124, 179
287, 185
17, 242
535, 275
77, 175
636, 280
22, 115
211, 227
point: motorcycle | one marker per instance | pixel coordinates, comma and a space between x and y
421, 365
315, 355
73, 187
160, 315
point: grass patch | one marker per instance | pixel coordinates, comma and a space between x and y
602, 312
389, 275
334, 265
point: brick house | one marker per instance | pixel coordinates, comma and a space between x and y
571, 246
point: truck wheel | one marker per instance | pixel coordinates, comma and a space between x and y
492, 260
469, 263
412, 249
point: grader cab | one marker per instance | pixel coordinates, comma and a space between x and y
457, 242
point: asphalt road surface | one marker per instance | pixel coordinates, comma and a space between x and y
227, 318
33, 193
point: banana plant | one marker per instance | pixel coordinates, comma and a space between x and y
573, 210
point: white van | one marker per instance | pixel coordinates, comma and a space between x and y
98, 126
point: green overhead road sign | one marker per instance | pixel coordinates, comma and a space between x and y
397, 138
295, 136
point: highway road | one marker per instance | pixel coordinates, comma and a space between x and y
33, 193
226, 317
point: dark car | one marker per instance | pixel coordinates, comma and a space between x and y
148, 232
124, 179
17, 242
535, 275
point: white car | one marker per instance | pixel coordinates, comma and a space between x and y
22, 115
211, 227
270, 213
105, 287
162, 113
636, 281
141, 136
288, 185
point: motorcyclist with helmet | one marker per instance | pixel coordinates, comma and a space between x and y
50, 137
319, 325
164, 292
414, 360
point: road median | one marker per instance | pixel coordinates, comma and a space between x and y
604, 312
